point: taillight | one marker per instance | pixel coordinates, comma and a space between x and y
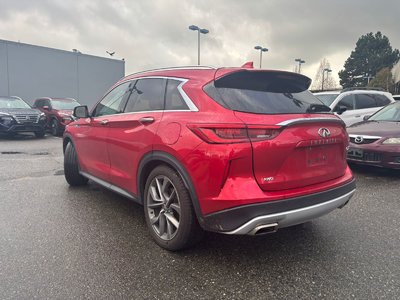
233, 133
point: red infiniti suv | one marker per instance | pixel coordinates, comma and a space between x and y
230, 150
58, 112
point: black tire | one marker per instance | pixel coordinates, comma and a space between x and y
170, 237
40, 134
55, 128
71, 167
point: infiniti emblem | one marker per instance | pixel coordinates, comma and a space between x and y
359, 139
324, 132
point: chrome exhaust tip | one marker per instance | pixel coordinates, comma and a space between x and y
264, 229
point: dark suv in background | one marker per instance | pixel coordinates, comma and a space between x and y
58, 112
17, 116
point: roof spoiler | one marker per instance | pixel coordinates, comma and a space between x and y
265, 80
248, 65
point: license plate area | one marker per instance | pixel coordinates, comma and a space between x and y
317, 156
355, 153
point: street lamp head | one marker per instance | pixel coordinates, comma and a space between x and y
194, 27
258, 47
298, 59
204, 31
302, 61
264, 49
327, 70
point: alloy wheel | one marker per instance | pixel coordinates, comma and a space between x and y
163, 207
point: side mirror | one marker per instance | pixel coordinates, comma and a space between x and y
365, 118
81, 112
340, 109
46, 108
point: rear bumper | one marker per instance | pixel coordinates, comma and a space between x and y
278, 214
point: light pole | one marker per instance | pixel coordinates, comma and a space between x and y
199, 30
300, 61
327, 70
261, 51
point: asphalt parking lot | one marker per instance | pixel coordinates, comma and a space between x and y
58, 242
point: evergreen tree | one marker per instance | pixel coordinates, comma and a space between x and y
383, 79
372, 53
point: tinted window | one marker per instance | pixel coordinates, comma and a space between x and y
347, 101
173, 98
265, 93
38, 103
146, 95
111, 103
381, 100
365, 101
327, 99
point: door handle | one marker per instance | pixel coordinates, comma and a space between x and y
104, 122
146, 120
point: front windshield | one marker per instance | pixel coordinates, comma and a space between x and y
64, 104
390, 113
12, 103
327, 99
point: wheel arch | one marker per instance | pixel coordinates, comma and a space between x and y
156, 158
66, 140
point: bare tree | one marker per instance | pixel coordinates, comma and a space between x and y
323, 79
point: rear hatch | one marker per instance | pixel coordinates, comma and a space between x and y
295, 140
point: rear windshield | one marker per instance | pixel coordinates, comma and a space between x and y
265, 93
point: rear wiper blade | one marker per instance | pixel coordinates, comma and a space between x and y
318, 108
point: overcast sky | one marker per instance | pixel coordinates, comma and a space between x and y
154, 33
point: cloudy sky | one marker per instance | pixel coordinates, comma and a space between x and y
154, 33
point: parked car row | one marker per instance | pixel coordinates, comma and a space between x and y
52, 114
373, 120
352, 105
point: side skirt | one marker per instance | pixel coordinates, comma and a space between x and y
111, 187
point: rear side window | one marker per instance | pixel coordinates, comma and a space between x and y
365, 101
173, 98
146, 95
265, 93
381, 100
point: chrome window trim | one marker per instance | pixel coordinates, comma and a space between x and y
365, 136
308, 120
188, 101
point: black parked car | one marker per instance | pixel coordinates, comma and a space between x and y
17, 116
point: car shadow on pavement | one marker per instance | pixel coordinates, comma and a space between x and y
375, 171
18, 137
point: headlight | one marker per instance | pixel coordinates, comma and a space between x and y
6, 120
42, 116
391, 141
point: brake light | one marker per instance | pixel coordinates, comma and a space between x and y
233, 133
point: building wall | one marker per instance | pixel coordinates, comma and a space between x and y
30, 72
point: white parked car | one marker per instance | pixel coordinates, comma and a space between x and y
353, 104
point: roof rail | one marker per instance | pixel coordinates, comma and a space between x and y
364, 88
176, 68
